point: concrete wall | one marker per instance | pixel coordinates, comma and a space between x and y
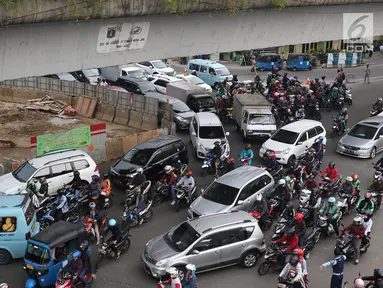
69, 10
39, 49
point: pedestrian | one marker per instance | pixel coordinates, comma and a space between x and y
367, 74
337, 268
370, 51
381, 49
253, 62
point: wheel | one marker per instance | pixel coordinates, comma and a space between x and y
249, 259
156, 200
204, 172
44, 225
74, 217
328, 107
216, 86
181, 272
291, 160
317, 237
178, 205
373, 153
264, 268
5, 257
294, 69
126, 246
268, 223
349, 102
148, 215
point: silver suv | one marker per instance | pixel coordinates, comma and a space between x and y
235, 190
209, 242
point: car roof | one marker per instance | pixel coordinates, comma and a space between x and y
133, 79
131, 68
376, 121
12, 201
163, 97
158, 142
204, 224
208, 119
301, 125
57, 156
210, 63
165, 77
240, 176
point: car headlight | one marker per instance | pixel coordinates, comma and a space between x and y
200, 146
365, 148
182, 119
286, 151
340, 143
162, 262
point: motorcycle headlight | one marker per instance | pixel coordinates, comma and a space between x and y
125, 214
286, 151
162, 262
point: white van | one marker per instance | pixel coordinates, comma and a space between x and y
205, 129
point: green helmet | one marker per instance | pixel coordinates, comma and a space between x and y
282, 182
287, 179
331, 200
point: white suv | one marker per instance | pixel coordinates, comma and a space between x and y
291, 141
56, 166
156, 67
160, 82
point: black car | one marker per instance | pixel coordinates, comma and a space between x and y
152, 155
89, 76
135, 85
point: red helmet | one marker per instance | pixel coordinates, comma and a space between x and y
272, 155
299, 217
355, 177
190, 173
292, 176
299, 252
230, 160
368, 195
276, 69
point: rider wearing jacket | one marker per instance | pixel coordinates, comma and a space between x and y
301, 258
76, 266
378, 106
62, 205
188, 183
295, 170
311, 184
357, 230
356, 183
347, 190
377, 278
247, 154
332, 213
365, 205
300, 228
270, 161
76, 183
293, 264
331, 171
190, 279
95, 215
261, 206
116, 235
282, 192
86, 260
291, 240
95, 187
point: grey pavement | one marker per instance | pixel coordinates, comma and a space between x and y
127, 271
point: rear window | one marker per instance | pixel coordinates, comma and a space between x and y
139, 157
24, 172
211, 132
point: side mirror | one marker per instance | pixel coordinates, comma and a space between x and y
228, 133
202, 190
194, 134
195, 252
300, 143
240, 202
380, 136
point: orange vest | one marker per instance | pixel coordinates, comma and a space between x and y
106, 187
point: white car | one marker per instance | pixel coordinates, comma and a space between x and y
156, 67
291, 141
205, 129
196, 81
57, 167
160, 82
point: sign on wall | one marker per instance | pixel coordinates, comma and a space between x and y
71, 139
122, 37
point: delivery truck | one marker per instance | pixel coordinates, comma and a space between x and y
111, 73
194, 96
253, 116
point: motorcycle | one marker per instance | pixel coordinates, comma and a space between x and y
266, 223
348, 96
346, 245
45, 216
314, 112
160, 193
64, 280
105, 202
342, 204
374, 112
88, 223
106, 251
328, 187
208, 167
274, 259
325, 227
337, 127
287, 282
132, 191
131, 219
182, 197
281, 226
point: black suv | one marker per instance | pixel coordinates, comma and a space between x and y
135, 85
152, 155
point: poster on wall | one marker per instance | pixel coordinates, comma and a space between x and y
122, 37
330, 58
71, 139
342, 59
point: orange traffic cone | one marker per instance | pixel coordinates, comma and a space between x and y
308, 81
185, 72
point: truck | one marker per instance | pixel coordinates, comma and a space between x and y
253, 116
111, 73
194, 96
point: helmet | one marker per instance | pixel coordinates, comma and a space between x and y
311, 150
368, 195
76, 173
112, 222
77, 253
92, 205
258, 197
348, 179
248, 146
316, 79
299, 252
323, 77
290, 231
190, 173
344, 109
358, 283
272, 155
335, 88
269, 74
217, 143
84, 245
140, 170
288, 179
331, 164
29, 284
358, 220
95, 178
173, 272
355, 177
331, 200
299, 217
378, 273
294, 261
43, 180
311, 91
191, 267
282, 182
168, 168
380, 99
275, 69
321, 138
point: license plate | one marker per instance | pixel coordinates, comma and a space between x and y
29, 266
350, 152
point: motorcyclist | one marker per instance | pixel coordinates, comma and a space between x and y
311, 184
261, 206
310, 161
292, 265
320, 148
356, 183
76, 266
367, 224
299, 114
271, 162
365, 205
347, 190
323, 82
95, 187
86, 260
290, 238
334, 94
171, 181
344, 114
106, 189
332, 213
377, 278
76, 184
116, 236
95, 215
217, 152
301, 258
288, 212
268, 79
295, 170
174, 280
282, 192
34, 191
247, 155
331, 172
190, 279
290, 185
188, 183
31, 283
139, 178
357, 230
61, 203
300, 228
379, 165
378, 106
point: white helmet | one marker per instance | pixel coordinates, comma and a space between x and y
282, 182
173, 272
311, 91
258, 197
359, 283
358, 220
191, 267
140, 170
168, 168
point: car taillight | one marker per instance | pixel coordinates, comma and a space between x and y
28, 235
96, 169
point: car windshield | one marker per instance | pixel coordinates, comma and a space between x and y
91, 72
222, 72
206, 102
285, 136
179, 107
66, 77
136, 73
37, 254
146, 87
261, 119
363, 131
139, 156
195, 81
24, 172
159, 65
181, 237
211, 132
221, 193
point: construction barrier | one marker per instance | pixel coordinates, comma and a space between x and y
128, 142
135, 119
86, 106
122, 116
109, 112
144, 136
149, 122
114, 148
99, 111
8, 165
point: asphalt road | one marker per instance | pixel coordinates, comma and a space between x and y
127, 271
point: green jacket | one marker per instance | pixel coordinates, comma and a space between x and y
330, 210
356, 185
367, 206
